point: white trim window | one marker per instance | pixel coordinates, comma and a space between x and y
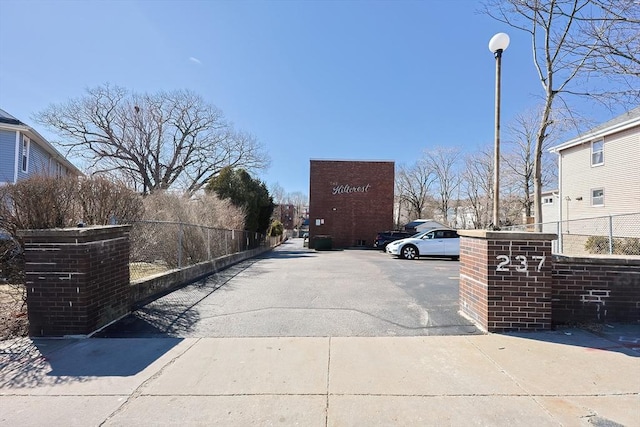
597, 197
597, 152
547, 200
26, 145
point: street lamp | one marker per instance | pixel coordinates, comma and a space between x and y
497, 45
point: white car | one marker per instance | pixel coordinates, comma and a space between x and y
438, 242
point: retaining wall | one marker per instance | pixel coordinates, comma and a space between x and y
77, 279
595, 289
150, 288
509, 281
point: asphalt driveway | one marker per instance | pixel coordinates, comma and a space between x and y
294, 291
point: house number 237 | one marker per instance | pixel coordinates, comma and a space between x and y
521, 262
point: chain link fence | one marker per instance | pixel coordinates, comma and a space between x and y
159, 246
611, 235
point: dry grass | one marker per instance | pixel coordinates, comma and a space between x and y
13, 312
140, 270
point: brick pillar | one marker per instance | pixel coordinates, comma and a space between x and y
77, 278
505, 279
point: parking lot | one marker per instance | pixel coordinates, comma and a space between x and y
294, 291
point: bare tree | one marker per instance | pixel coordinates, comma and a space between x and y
156, 142
443, 162
477, 183
520, 154
277, 193
565, 53
616, 37
412, 186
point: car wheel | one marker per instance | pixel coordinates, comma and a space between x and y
409, 252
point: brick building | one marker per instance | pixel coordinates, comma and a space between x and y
350, 201
286, 214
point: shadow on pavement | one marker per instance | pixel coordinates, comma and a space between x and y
114, 357
620, 338
278, 254
174, 314
26, 363
153, 321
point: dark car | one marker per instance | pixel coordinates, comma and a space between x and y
383, 238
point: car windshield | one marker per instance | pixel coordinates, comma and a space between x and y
419, 235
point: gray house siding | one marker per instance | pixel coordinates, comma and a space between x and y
7, 156
42, 157
40, 162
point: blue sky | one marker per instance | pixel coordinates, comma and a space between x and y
357, 80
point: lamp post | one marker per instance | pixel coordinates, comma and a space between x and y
497, 45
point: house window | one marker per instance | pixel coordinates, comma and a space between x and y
597, 197
547, 200
26, 142
597, 153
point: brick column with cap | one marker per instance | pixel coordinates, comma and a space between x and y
506, 279
77, 279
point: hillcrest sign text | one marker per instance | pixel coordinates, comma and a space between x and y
347, 189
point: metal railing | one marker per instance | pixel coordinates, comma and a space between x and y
611, 234
158, 246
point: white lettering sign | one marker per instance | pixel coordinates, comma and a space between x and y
522, 264
347, 189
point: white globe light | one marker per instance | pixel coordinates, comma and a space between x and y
499, 42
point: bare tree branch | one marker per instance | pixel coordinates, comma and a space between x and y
443, 161
413, 184
580, 48
477, 185
154, 141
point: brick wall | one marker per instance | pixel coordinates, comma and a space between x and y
473, 280
595, 289
77, 279
352, 199
286, 214
505, 279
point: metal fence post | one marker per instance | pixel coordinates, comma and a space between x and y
180, 236
208, 243
610, 235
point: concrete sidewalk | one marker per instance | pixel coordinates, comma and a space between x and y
569, 377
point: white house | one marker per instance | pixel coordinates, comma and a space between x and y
24, 152
550, 215
599, 177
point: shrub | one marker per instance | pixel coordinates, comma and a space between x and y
621, 245
103, 202
159, 242
275, 229
55, 202
597, 245
629, 246
38, 202
206, 209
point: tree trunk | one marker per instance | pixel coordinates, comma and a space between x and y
537, 161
